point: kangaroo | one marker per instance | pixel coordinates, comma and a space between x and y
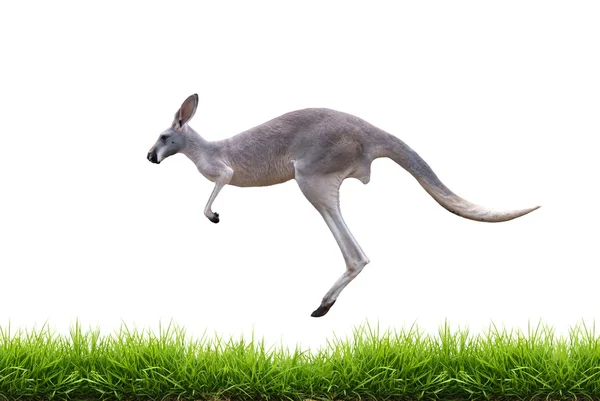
319, 148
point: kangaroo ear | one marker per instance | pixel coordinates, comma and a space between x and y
187, 110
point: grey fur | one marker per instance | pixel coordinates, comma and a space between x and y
319, 148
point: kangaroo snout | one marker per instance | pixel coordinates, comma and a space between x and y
152, 157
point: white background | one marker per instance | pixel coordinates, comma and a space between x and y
501, 99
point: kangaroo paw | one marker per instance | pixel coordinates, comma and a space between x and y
214, 218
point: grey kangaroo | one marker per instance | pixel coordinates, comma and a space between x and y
319, 148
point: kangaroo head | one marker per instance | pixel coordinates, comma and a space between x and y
173, 140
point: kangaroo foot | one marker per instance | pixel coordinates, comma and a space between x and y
322, 310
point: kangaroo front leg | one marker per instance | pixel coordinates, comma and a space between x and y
223, 180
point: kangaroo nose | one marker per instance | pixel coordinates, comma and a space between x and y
152, 157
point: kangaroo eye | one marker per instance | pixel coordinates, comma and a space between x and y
164, 138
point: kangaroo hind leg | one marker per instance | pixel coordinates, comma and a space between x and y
323, 193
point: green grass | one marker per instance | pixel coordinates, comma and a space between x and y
371, 365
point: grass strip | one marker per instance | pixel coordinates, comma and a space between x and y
370, 365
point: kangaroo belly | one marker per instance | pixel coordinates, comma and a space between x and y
262, 174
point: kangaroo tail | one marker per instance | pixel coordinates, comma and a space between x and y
407, 158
